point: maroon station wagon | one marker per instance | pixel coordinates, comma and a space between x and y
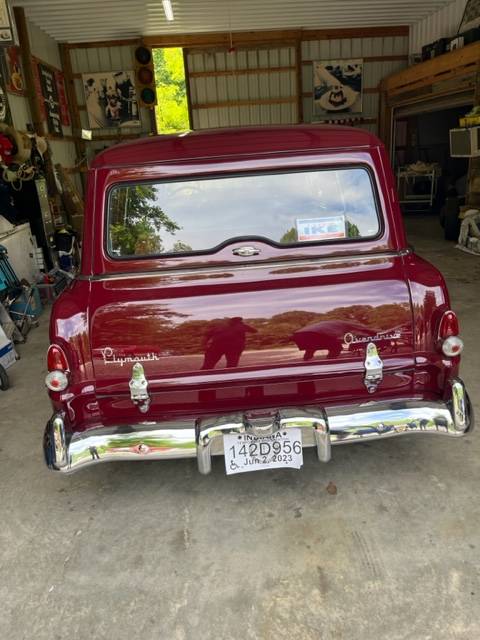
248, 293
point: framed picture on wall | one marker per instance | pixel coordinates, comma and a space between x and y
337, 87
14, 72
8, 30
111, 99
50, 99
471, 16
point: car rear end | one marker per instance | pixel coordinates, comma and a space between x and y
249, 304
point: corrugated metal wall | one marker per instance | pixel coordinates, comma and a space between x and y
43, 46
246, 87
442, 23
97, 59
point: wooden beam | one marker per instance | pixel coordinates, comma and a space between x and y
416, 97
356, 32
367, 90
116, 136
275, 35
299, 80
461, 61
27, 60
66, 61
187, 88
102, 44
240, 72
451, 74
391, 58
244, 103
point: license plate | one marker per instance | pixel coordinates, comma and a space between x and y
245, 452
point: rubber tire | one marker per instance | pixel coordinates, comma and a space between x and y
452, 223
4, 381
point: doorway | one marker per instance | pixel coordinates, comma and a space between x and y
171, 112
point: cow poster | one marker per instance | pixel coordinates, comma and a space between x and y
337, 87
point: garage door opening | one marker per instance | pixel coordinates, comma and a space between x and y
171, 112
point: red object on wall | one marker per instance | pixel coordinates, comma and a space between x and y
62, 98
15, 81
6, 149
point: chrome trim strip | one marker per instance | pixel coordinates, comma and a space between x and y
291, 262
321, 428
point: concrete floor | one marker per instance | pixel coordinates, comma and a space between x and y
156, 551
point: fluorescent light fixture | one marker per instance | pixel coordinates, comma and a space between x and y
167, 7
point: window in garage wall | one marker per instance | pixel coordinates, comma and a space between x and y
171, 111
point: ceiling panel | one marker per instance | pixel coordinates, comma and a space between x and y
96, 20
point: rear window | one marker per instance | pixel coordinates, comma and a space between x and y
281, 208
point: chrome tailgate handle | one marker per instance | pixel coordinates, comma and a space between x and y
139, 388
245, 252
373, 368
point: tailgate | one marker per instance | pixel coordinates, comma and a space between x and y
259, 335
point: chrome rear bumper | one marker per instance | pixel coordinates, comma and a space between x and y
321, 428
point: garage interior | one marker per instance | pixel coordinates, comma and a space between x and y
381, 543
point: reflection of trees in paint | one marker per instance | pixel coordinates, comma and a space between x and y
165, 331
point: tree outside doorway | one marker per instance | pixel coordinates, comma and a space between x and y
171, 111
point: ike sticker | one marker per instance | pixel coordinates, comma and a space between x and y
310, 229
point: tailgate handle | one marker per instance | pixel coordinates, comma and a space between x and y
373, 368
246, 252
139, 388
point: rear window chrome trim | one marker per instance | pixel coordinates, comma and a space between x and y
247, 239
182, 271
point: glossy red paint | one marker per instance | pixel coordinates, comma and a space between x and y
219, 332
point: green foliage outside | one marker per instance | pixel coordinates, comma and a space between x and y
136, 221
171, 111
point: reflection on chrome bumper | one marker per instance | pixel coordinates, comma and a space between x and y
320, 428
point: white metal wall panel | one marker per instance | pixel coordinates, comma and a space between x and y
97, 59
441, 24
43, 46
257, 85
373, 71
20, 111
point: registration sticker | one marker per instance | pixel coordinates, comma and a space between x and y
245, 452
311, 229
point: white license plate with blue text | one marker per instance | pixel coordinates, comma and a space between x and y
246, 452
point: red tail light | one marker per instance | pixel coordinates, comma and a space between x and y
448, 331
56, 359
448, 326
57, 378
